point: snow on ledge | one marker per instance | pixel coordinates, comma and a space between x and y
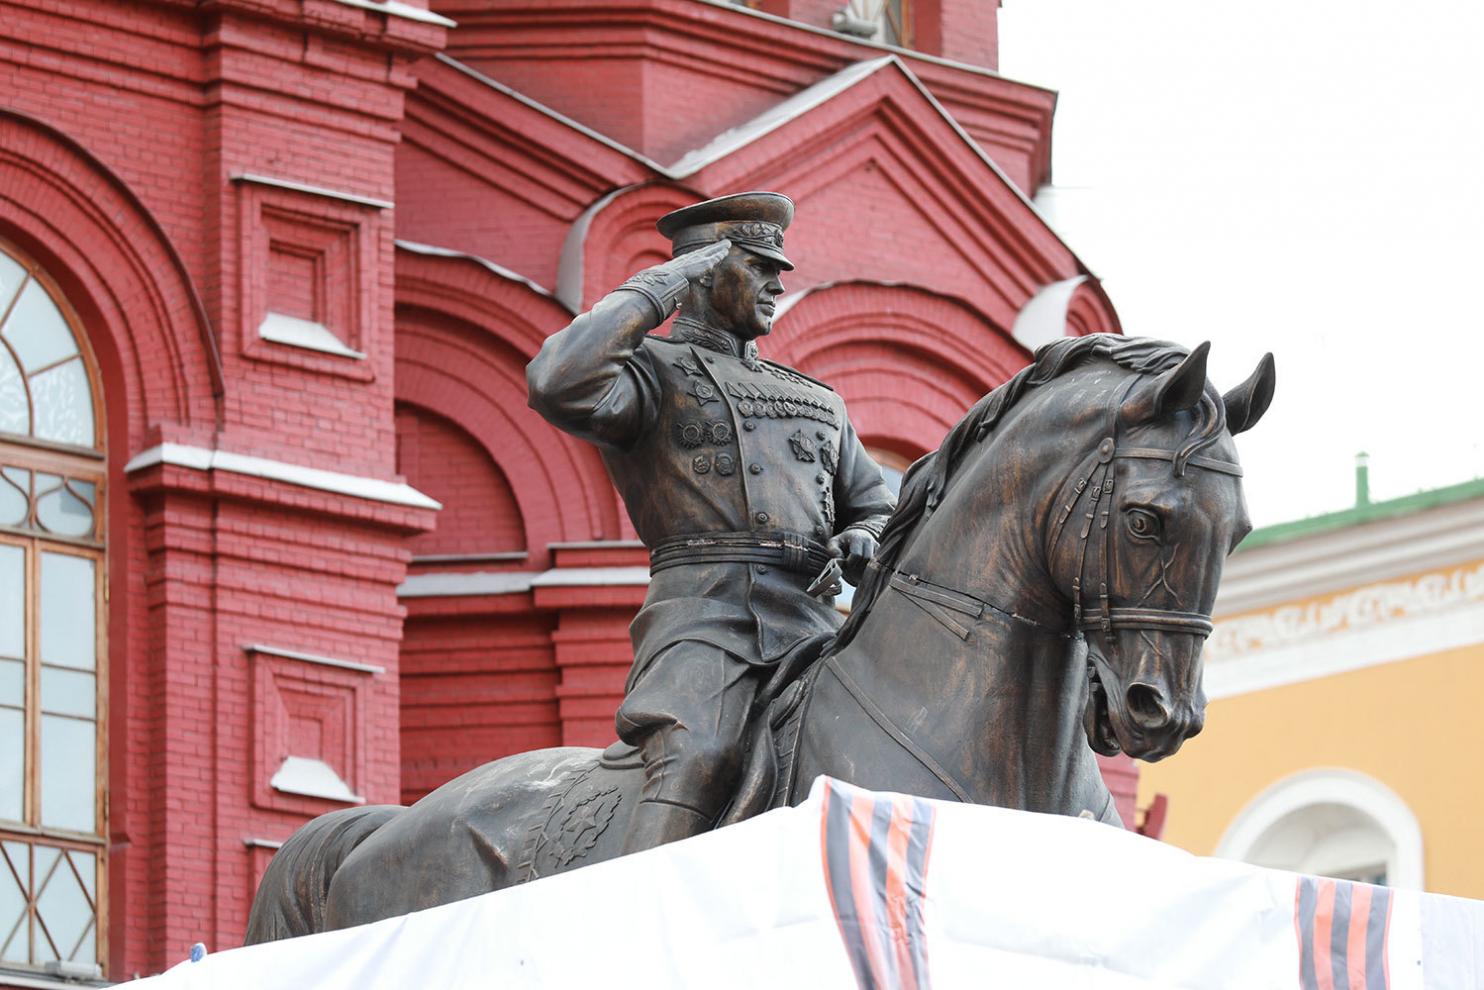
313, 778
307, 334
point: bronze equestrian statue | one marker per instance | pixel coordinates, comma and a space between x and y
743, 477
1043, 591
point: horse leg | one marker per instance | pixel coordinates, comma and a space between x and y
291, 898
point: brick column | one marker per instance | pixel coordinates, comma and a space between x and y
595, 589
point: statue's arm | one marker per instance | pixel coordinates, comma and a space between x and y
593, 379
862, 498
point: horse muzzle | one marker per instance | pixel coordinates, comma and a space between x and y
1142, 717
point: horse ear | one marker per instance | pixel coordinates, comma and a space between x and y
1179, 388
1246, 403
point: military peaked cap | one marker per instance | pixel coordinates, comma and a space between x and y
751, 220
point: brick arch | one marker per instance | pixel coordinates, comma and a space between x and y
1072, 307
480, 512
1091, 311
159, 369
615, 237
141, 311
908, 361
465, 332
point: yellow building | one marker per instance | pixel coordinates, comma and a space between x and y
1345, 731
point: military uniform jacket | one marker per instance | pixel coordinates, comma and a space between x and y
700, 439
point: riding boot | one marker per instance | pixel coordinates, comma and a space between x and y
657, 822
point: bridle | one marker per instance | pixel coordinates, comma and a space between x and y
1095, 473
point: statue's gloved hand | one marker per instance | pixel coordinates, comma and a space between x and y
664, 284
855, 548
694, 264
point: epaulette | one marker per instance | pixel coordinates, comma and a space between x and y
796, 372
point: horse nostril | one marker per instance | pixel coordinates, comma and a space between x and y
1146, 706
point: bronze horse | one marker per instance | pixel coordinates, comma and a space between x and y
1045, 584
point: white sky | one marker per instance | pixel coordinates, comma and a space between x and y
1305, 177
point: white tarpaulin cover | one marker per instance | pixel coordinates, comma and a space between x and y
862, 889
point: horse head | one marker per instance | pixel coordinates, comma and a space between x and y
1137, 543
1091, 499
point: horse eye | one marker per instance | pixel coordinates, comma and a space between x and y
1144, 525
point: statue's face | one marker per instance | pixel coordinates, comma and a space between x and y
743, 292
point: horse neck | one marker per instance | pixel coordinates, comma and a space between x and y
1000, 709
988, 536
1003, 705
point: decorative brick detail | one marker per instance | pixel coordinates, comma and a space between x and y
308, 286
306, 711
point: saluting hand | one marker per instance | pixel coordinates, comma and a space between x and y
664, 284
855, 548
694, 264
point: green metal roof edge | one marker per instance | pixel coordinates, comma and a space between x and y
1372, 512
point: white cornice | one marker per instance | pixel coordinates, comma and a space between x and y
1043, 318
303, 187
313, 658
607, 577
736, 138
451, 584
406, 11
770, 120
433, 251
1327, 562
354, 485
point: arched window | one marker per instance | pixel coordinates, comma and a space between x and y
52, 670
1330, 822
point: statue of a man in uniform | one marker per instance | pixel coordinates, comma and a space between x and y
743, 477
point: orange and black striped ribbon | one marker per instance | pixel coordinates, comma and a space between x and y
1342, 928
875, 864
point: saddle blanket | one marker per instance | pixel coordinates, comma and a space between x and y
861, 889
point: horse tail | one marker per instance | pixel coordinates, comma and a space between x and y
291, 898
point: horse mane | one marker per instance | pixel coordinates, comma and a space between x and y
928, 479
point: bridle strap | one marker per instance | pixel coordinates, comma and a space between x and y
1155, 454
1158, 620
1072, 494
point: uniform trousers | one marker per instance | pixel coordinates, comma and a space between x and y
686, 712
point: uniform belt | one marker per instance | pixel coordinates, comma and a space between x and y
790, 551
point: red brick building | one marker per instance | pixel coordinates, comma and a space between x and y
277, 530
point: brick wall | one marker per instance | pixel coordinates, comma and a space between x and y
183, 172
200, 177
480, 514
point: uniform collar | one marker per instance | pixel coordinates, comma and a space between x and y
693, 332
